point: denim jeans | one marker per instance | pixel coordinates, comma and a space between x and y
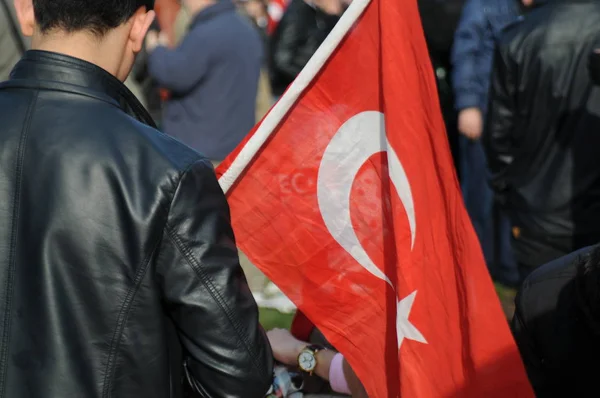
491, 224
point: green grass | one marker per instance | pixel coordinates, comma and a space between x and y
271, 319
505, 292
507, 299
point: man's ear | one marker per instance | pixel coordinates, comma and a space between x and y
26, 16
141, 22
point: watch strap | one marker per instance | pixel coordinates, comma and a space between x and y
315, 348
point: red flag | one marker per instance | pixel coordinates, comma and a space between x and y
275, 10
346, 197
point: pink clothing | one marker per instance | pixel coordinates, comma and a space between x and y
337, 380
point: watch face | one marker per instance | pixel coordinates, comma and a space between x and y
307, 361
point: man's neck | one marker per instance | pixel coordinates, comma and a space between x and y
82, 45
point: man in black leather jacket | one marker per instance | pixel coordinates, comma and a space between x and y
557, 325
542, 131
303, 28
119, 274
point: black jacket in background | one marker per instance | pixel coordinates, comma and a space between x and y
543, 127
298, 35
118, 266
440, 20
560, 349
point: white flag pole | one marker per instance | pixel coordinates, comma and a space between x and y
288, 100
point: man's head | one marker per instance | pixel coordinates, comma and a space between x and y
106, 32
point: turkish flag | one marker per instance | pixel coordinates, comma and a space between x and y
275, 11
346, 197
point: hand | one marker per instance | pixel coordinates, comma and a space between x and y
286, 347
151, 41
163, 39
155, 39
470, 123
331, 7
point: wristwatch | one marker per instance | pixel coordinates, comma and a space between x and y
307, 360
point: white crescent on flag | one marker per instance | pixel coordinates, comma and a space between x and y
361, 137
371, 134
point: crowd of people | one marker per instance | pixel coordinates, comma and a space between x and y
517, 81
525, 88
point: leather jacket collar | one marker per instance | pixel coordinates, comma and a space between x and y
53, 71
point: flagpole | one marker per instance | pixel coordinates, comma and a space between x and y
283, 106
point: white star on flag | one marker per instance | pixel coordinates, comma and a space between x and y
404, 328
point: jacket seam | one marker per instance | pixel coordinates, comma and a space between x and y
206, 281
122, 321
13, 245
125, 309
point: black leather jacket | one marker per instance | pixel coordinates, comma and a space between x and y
299, 34
542, 133
557, 330
118, 268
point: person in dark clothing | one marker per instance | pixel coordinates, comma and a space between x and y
119, 274
481, 25
148, 86
212, 78
300, 32
557, 325
440, 20
12, 42
541, 135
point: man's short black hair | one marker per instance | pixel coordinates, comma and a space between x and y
97, 16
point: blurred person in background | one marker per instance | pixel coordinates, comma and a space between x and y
275, 9
146, 86
12, 42
440, 20
212, 77
181, 25
166, 14
303, 28
119, 274
542, 131
256, 11
475, 41
557, 325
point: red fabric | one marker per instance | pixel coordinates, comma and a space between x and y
289, 218
275, 11
302, 327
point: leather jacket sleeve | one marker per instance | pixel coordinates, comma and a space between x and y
498, 137
531, 360
226, 351
290, 51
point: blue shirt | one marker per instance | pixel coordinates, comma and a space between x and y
213, 79
480, 27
